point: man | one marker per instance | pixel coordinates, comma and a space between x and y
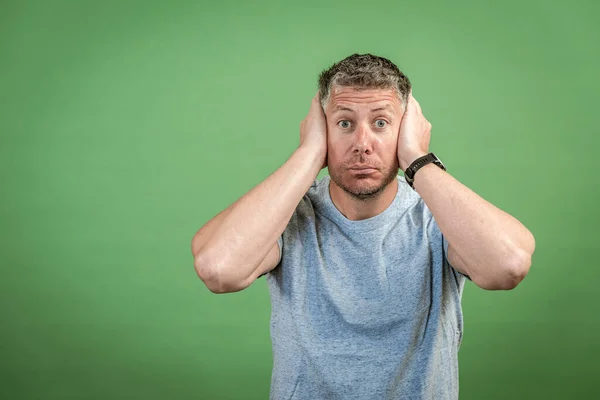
365, 268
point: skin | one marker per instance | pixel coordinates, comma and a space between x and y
362, 131
485, 243
239, 244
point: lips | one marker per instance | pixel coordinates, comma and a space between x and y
362, 170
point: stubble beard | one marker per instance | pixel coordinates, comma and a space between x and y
357, 188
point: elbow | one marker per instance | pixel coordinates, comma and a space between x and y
516, 265
211, 275
518, 268
208, 275
513, 276
509, 275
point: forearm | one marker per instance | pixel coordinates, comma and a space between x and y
234, 243
490, 242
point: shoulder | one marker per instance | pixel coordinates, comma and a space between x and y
315, 196
411, 200
406, 191
414, 204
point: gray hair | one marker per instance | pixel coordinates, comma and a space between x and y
364, 71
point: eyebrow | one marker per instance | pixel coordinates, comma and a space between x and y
387, 107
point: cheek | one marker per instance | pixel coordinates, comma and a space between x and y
336, 141
390, 147
394, 136
336, 154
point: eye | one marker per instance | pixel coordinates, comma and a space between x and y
345, 124
381, 123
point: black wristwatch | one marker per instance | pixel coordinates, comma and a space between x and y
419, 163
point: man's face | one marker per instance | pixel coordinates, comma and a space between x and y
362, 131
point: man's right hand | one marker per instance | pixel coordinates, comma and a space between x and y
240, 244
313, 130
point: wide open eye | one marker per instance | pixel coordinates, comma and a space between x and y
380, 123
345, 124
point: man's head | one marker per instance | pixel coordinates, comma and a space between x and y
364, 98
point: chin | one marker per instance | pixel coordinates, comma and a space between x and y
362, 187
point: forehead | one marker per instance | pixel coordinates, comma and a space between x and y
357, 99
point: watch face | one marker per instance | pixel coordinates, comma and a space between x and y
439, 162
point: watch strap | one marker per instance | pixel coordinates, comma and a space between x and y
419, 163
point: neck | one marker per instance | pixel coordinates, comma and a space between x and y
356, 209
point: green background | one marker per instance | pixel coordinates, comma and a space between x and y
125, 126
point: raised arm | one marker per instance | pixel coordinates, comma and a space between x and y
489, 245
240, 243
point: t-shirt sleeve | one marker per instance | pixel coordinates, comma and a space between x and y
280, 243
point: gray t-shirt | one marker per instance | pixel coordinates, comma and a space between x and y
367, 309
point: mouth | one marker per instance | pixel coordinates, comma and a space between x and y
362, 170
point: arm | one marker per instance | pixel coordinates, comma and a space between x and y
489, 245
240, 243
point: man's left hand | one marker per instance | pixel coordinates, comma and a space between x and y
414, 135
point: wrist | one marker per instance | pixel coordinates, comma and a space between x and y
418, 164
313, 155
407, 160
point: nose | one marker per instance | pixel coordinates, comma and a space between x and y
362, 140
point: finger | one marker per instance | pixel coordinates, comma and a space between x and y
410, 106
407, 109
315, 102
417, 105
